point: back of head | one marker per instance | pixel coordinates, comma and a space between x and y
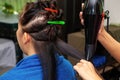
41, 20
35, 17
35, 20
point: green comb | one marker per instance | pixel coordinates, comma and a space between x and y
56, 22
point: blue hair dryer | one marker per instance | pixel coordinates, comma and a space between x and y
92, 14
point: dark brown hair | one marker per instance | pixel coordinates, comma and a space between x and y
34, 20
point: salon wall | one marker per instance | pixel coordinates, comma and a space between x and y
114, 7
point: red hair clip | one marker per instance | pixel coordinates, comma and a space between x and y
51, 10
103, 15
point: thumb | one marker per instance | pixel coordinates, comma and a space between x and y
76, 68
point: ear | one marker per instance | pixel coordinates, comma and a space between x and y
26, 38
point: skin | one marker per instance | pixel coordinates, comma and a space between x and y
110, 44
24, 41
85, 68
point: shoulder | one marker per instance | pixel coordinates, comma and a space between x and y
26, 67
61, 61
21, 73
65, 69
64, 64
8, 75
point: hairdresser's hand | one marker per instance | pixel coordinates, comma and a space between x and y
86, 70
102, 30
81, 18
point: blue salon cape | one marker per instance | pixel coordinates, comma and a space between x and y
30, 68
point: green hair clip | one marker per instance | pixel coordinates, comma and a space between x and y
56, 22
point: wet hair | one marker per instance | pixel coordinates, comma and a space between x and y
34, 20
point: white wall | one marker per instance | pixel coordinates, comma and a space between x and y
114, 7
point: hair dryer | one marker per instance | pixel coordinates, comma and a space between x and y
92, 14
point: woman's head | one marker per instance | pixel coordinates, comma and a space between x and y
34, 19
34, 29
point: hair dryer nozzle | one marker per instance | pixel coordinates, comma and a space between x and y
90, 49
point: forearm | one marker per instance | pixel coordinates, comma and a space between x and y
110, 44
